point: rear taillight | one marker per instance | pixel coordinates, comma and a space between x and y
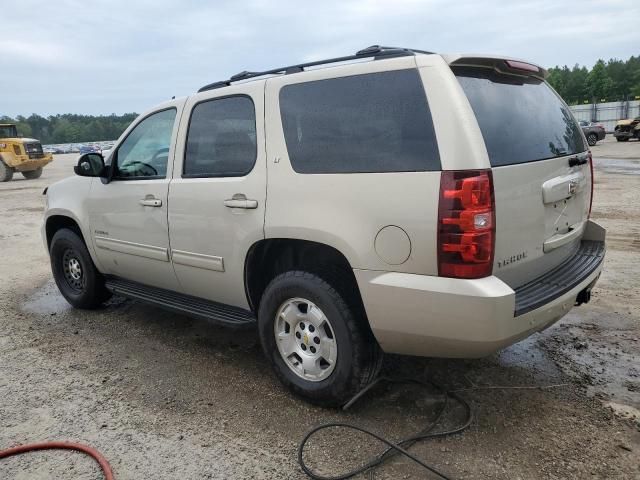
590, 157
466, 224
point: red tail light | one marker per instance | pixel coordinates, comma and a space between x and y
591, 170
466, 224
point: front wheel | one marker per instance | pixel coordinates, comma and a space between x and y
318, 346
592, 139
32, 174
622, 139
77, 278
6, 172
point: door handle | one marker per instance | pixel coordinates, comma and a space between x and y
240, 201
151, 202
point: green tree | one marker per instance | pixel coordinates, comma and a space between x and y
599, 84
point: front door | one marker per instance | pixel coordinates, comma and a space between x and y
128, 216
217, 196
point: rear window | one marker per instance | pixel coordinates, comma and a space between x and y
377, 122
521, 119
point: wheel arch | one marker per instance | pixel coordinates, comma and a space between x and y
270, 257
56, 222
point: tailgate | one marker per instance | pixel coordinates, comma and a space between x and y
540, 165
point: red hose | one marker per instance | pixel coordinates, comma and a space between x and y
92, 452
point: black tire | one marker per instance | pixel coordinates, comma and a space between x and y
87, 292
32, 174
622, 139
592, 139
359, 356
6, 172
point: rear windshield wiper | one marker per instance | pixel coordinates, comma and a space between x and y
575, 161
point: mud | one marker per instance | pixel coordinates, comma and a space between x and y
165, 396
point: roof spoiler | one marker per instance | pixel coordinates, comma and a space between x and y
511, 66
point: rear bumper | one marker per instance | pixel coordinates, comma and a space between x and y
444, 317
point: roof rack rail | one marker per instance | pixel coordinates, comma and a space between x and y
375, 51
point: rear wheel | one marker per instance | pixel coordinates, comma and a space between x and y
6, 172
592, 139
32, 174
622, 139
74, 272
317, 345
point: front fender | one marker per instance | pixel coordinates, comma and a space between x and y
68, 198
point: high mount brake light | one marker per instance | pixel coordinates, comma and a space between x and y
527, 67
466, 224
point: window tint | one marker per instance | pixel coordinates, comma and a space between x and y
377, 122
521, 119
222, 138
145, 151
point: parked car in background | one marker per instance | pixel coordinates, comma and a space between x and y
626, 129
593, 132
88, 149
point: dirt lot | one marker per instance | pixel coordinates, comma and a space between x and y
166, 397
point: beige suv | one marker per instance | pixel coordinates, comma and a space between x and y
390, 201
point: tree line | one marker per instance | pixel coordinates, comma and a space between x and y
70, 128
610, 81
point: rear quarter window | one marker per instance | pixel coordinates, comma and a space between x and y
377, 122
521, 118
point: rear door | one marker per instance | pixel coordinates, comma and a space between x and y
540, 166
218, 193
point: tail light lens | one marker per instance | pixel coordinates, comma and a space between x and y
591, 170
466, 224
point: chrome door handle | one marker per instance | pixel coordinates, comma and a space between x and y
151, 202
240, 201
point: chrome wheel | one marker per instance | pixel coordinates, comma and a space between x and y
305, 339
73, 270
592, 139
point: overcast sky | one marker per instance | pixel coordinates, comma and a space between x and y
116, 56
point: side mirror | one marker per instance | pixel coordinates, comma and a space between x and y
90, 165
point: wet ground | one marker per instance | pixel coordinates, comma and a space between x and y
165, 396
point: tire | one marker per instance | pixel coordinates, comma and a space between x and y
358, 356
622, 139
6, 172
32, 174
592, 139
77, 278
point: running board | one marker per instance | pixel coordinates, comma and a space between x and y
181, 303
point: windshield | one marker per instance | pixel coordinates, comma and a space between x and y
521, 119
8, 131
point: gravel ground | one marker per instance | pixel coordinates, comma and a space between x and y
165, 396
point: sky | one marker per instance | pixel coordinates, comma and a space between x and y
118, 56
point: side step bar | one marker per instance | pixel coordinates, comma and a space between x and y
181, 303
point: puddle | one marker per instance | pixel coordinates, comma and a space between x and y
47, 300
528, 354
619, 166
598, 349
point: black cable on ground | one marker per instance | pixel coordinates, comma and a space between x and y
392, 448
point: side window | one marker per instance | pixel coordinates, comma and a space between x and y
221, 140
145, 151
378, 122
